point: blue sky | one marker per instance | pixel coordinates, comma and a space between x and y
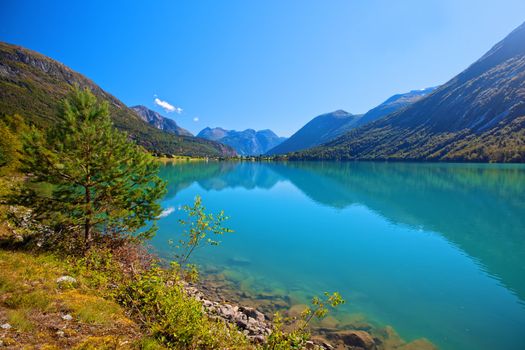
260, 64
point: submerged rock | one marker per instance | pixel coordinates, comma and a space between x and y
297, 310
240, 261
354, 339
418, 344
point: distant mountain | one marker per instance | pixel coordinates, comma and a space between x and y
393, 104
329, 126
34, 85
214, 134
160, 122
319, 130
479, 115
247, 142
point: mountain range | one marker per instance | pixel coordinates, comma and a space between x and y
321, 129
329, 126
160, 122
247, 143
34, 86
479, 115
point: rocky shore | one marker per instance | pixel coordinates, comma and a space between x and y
223, 300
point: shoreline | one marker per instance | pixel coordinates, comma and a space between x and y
225, 300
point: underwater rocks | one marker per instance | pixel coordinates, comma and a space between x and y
222, 296
356, 339
372, 339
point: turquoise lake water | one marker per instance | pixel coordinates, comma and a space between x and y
433, 250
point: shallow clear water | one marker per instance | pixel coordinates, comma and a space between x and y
434, 250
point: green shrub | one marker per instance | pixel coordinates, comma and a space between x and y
298, 335
158, 299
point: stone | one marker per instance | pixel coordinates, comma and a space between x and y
360, 339
253, 325
260, 339
228, 312
251, 312
60, 334
67, 317
66, 279
5, 326
329, 322
327, 346
242, 324
249, 320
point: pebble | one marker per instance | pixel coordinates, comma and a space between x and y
67, 317
5, 326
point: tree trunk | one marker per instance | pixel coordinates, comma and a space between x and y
87, 223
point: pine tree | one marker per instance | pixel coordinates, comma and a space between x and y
11, 129
101, 182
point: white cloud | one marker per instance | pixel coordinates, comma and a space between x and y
196, 119
166, 212
168, 107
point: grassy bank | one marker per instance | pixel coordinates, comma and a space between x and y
49, 315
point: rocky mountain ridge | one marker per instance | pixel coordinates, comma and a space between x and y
247, 143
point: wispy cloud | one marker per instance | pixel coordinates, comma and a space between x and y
196, 119
168, 107
166, 212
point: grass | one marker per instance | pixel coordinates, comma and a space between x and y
33, 300
19, 319
92, 309
33, 304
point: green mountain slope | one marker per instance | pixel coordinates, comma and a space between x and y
393, 104
329, 126
33, 86
319, 130
479, 115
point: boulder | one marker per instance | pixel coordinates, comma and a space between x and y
360, 339
251, 312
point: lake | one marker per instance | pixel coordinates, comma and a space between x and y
433, 250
